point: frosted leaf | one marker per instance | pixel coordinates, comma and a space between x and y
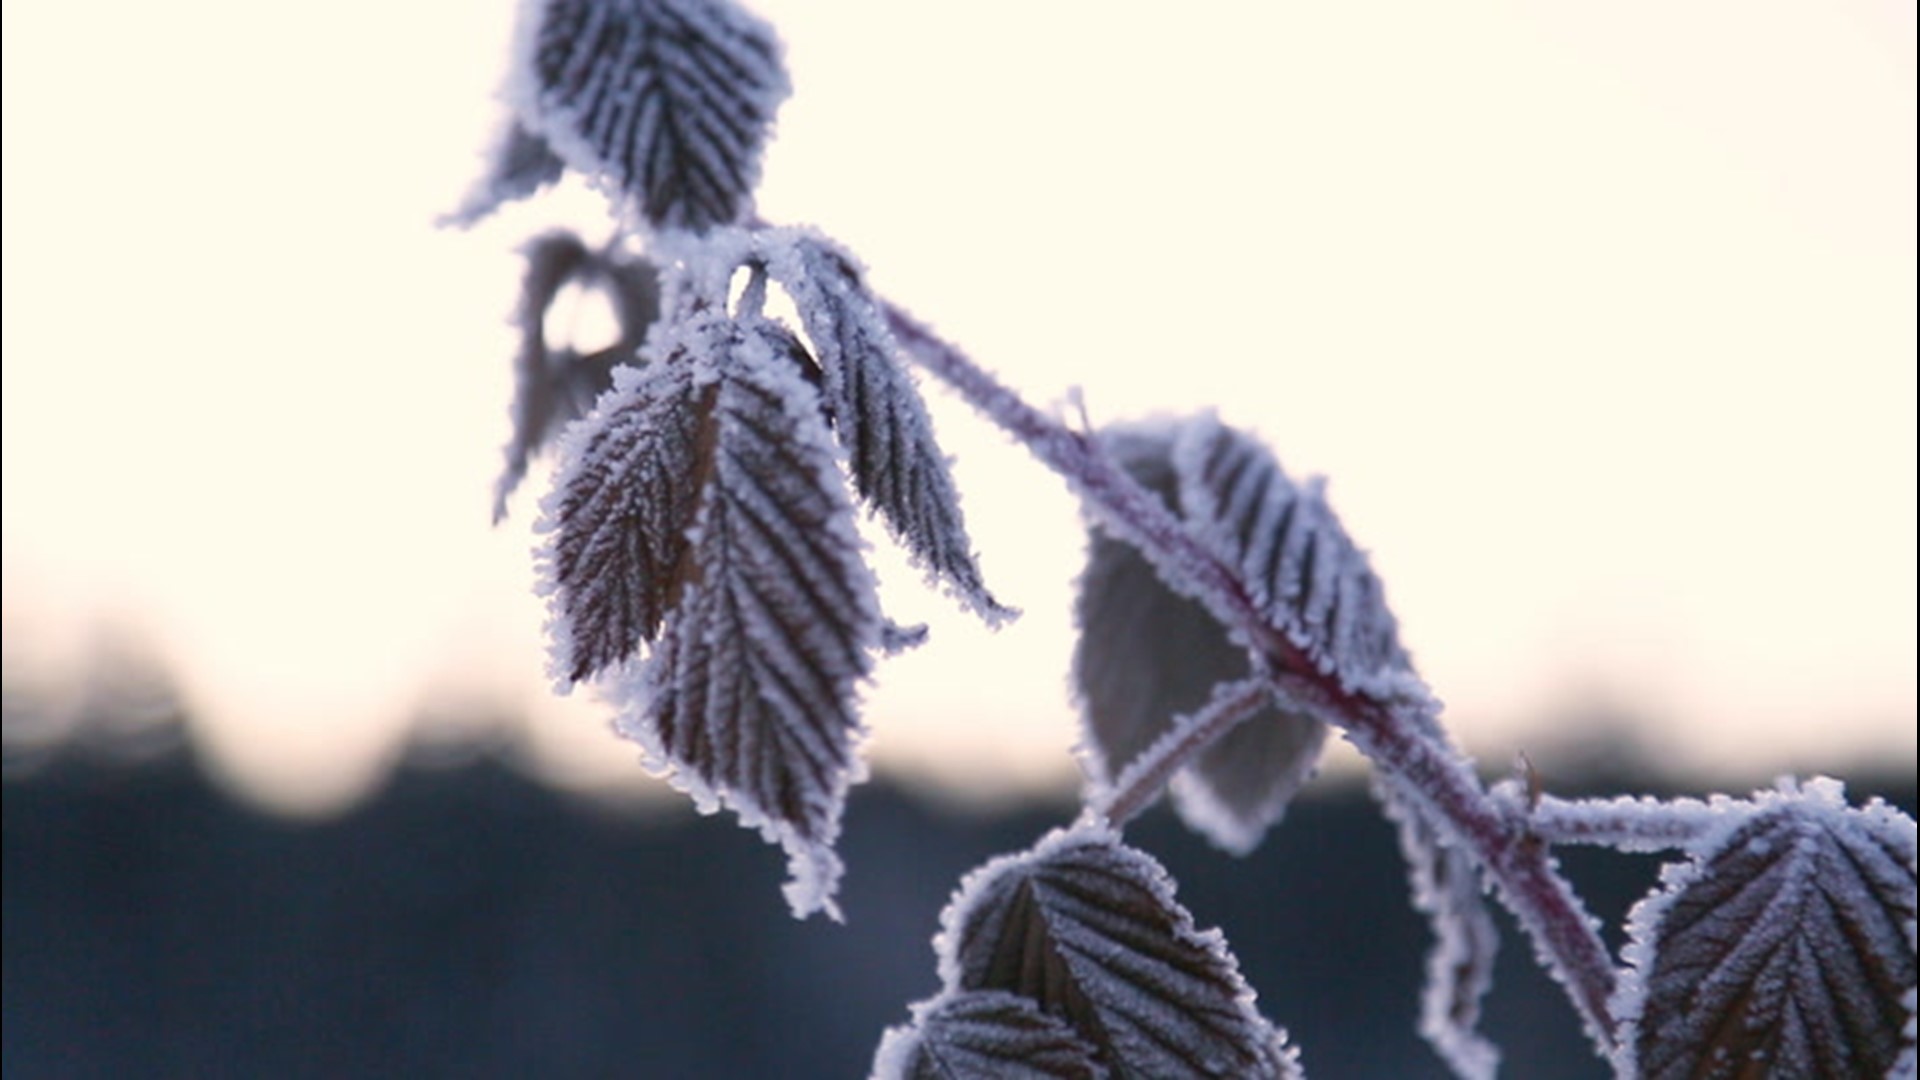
877, 411
1147, 655
1302, 568
520, 164
667, 102
896, 638
984, 1035
1447, 890
702, 510
1242, 784
1090, 930
750, 689
554, 386
1905, 1066
618, 558
1784, 947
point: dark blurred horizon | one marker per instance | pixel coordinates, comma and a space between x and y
467, 920
127, 707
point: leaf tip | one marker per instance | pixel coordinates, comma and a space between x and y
813, 879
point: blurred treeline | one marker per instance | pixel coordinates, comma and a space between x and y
467, 920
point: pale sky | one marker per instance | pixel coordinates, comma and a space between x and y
1600, 318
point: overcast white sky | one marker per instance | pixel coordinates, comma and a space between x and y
1600, 317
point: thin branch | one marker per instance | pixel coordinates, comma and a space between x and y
1399, 736
1624, 824
1130, 511
1135, 789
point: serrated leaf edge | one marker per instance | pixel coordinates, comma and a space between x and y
631, 382
814, 868
1822, 795
1091, 831
525, 102
900, 1041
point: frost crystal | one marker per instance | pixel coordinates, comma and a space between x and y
1446, 888
667, 102
1147, 655
870, 400
1088, 929
1304, 571
703, 510
988, 1035
1786, 944
877, 411
624, 499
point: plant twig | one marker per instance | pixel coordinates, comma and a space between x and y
1135, 789
1400, 739
1624, 824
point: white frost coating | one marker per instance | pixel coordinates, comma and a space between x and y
1227, 705
1163, 686
664, 105
960, 906
1550, 922
1261, 747
670, 376
748, 695
1242, 785
1446, 887
897, 1045
1092, 895
882, 433
1815, 819
1139, 507
1231, 829
704, 266
879, 418
1626, 823
814, 868
989, 1035
1903, 1069
1302, 569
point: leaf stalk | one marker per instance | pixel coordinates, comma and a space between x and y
1399, 737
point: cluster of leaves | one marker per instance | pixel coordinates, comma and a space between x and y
702, 513
704, 567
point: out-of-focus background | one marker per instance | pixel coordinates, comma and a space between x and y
1600, 319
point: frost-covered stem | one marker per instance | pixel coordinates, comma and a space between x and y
753, 297
1132, 512
1135, 789
1566, 938
1624, 824
1400, 741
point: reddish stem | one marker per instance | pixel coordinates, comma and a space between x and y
1402, 740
